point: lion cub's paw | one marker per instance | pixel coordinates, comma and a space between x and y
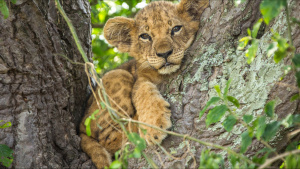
159, 116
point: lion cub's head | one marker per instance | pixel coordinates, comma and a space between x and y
159, 34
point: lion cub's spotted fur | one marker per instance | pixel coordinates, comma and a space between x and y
157, 38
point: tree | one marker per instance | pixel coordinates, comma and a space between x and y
43, 94
212, 60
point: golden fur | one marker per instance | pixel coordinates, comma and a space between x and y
157, 39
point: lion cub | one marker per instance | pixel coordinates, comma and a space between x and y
157, 38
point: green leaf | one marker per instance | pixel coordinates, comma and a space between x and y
272, 49
279, 55
247, 118
234, 101
227, 88
238, 2
246, 141
229, 123
215, 114
249, 32
6, 155
93, 114
14, 1
102, 104
210, 160
270, 108
295, 97
270, 130
271, 8
296, 60
4, 9
5, 125
282, 47
251, 51
298, 78
217, 87
296, 21
243, 42
259, 159
115, 164
256, 28
213, 100
136, 153
87, 124
259, 124
137, 141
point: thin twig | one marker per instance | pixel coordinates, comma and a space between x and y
196, 140
271, 160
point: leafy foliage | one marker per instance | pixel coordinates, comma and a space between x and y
6, 154
211, 160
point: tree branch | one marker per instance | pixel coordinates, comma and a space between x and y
97, 25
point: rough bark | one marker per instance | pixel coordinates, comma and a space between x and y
43, 94
213, 59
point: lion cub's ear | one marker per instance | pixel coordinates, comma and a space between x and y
194, 8
117, 31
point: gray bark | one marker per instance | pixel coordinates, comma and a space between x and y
212, 60
43, 94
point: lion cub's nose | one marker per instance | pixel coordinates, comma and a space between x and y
165, 55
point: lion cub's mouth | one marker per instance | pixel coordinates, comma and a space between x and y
166, 65
168, 68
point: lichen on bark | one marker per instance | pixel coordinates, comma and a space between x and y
212, 60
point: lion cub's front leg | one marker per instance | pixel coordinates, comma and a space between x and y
152, 109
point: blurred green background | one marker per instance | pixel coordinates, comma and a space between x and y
105, 56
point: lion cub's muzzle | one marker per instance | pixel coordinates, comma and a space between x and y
167, 62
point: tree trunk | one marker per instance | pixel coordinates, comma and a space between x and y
43, 94
212, 60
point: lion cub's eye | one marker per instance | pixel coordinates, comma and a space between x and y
176, 29
145, 36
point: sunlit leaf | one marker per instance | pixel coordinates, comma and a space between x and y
272, 49
271, 8
256, 28
213, 100
251, 52
259, 124
115, 164
217, 87
215, 114
246, 141
243, 42
14, 1
5, 125
238, 2
229, 123
87, 124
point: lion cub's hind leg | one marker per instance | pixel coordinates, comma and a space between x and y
98, 154
105, 141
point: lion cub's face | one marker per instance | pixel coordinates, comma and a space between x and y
159, 34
